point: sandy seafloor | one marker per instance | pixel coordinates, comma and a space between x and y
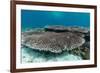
32, 56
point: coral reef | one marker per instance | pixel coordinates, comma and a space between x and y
57, 41
53, 42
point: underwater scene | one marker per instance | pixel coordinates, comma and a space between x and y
54, 36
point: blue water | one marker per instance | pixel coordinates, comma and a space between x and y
38, 19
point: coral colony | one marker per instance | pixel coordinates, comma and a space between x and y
55, 43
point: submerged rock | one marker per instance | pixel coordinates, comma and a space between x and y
53, 42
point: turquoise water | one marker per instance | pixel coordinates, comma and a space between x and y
39, 19
31, 19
